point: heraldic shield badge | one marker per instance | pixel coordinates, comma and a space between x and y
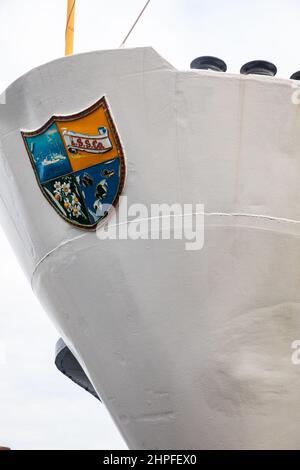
79, 164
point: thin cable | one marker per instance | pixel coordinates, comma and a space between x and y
134, 24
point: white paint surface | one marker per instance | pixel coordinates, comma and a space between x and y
187, 349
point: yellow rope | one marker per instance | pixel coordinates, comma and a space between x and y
70, 27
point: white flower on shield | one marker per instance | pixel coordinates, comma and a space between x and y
66, 188
75, 206
57, 186
57, 190
76, 211
75, 200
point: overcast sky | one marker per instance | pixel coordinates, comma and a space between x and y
39, 407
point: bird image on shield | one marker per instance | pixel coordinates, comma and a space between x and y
100, 195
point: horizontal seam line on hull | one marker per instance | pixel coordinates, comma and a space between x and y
65, 242
255, 216
221, 214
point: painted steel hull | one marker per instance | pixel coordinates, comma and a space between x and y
187, 349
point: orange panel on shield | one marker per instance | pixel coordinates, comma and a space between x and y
89, 140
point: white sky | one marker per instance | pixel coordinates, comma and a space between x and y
39, 407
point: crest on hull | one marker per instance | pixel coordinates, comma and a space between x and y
79, 164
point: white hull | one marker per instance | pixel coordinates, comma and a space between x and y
187, 349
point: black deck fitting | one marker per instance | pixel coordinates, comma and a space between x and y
259, 67
208, 62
